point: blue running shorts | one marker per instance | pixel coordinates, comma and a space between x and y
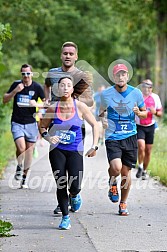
28, 131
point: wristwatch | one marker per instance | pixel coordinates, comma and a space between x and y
95, 147
44, 134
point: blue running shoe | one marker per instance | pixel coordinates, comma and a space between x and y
65, 223
113, 193
76, 203
123, 209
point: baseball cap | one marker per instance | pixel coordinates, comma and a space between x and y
119, 67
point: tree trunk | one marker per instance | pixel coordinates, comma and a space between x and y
161, 68
161, 51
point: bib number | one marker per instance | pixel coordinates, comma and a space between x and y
123, 127
66, 136
23, 100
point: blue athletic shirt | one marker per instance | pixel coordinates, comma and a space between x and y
120, 115
69, 131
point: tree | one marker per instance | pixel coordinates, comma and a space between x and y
161, 49
5, 33
104, 31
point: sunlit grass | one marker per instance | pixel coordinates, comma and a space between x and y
7, 150
158, 163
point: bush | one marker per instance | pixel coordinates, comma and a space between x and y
5, 228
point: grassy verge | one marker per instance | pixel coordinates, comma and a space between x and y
7, 150
158, 163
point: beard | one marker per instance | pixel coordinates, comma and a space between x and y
120, 86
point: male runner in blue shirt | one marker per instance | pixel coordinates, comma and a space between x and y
121, 102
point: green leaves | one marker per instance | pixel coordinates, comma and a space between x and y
5, 228
104, 31
5, 32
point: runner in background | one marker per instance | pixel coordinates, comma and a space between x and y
146, 127
25, 93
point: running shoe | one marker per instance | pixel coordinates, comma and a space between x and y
123, 209
76, 203
139, 172
18, 174
57, 210
144, 175
23, 185
113, 193
65, 223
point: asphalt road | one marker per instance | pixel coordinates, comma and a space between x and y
97, 226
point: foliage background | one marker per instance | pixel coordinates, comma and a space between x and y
33, 31
104, 31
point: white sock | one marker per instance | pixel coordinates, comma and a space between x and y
141, 166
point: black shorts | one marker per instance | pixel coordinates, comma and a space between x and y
125, 149
146, 133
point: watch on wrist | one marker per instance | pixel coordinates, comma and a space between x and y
44, 134
95, 147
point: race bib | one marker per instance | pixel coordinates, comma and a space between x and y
123, 127
66, 136
23, 100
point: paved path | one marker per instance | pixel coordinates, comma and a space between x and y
96, 227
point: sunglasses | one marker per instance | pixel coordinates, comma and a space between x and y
145, 85
25, 73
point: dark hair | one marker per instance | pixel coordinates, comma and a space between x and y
25, 66
66, 44
65, 77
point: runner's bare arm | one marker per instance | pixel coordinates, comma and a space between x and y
46, 120
89, 117
8, 96
47, 92
83, 88
140, 112
87, 97
102, 117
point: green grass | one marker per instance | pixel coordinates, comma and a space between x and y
158, 163
7, 151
